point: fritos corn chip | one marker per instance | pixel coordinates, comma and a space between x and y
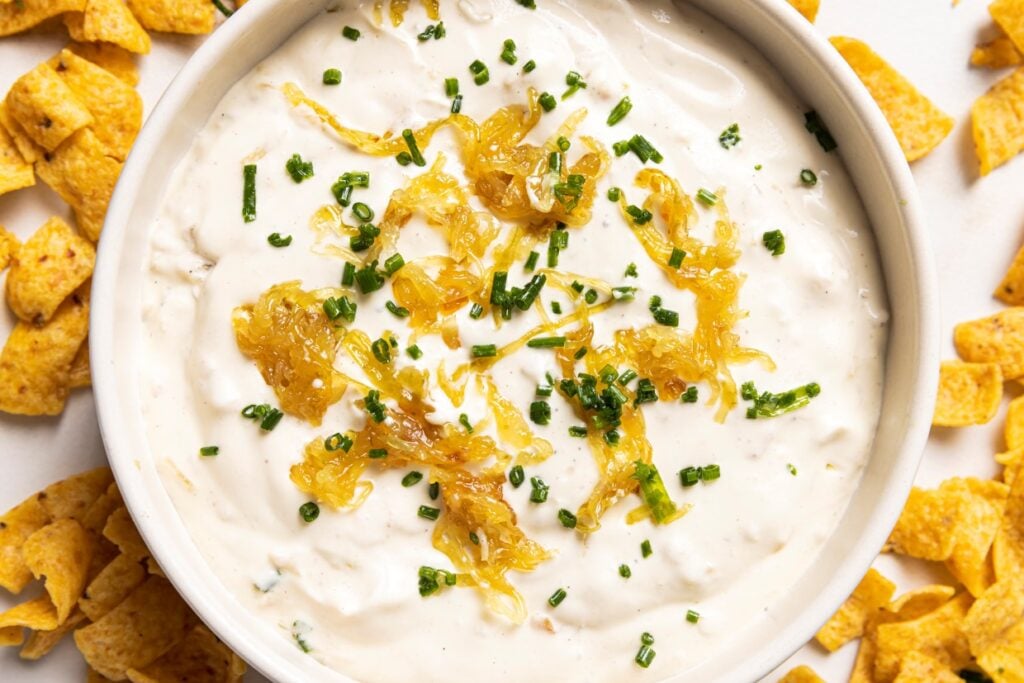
926, 527
15, 526
29, 150
916, 667
36, 362
61, 553
992, 614
148, 624
116, 107
1008, 546
936, 634
9, 247
998, 339
808, 8
998, 123
39, 643
969, 393
46, 108
108, 21
981, 512
113, 584
95, 518
81, 370
1004, 661
114, 59
15, 172
121, 532
83, 173
1011, 462
873, 592
16, 17
997, 54
1009, 14
74, 497
51, 265
1011, 289
199, 657
174, 16
801, 674
919, 125
36, 614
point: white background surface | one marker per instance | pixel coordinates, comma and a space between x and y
976, 225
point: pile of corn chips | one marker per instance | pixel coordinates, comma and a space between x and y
100, 584
71, 122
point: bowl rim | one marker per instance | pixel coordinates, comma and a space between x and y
775, 15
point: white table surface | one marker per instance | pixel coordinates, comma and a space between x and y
976, 225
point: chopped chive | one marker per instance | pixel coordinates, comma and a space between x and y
538, 490
646, 638
758, 167
351, 33
427, 512
676, 259
612, 437
209, 451
436, 32
531, 261
815, 126
630, 270
377, 453
791, 468
575, 81
369, 279
557, 597
396, 310
309, 512
692, 617
639, 216
414, 149
808, 177
476, 311
374, 407
457, 104
276, 240
451, 87
555, 162
394, 263
403, 158
707, 197
643, 148
577, 432
665, 317
480, 72
689, 476
412, 479
338, 442
473, 538
348, 275
775, 242
271, 419
548, 102
614, 194
362, 211
564, 144
545, 390
690, 395
528, 4
336, 308
644, 656
580, 353
540, 412
464, 421
620, 111
624, 571
627, 376
567, 519
710, 472
414, 352
224, 9
516, 476
434, 490
645, 549
332, 77
249, 193
591, 296
621, 148
529, 66
546, 343
508, 53
556, 308
381, 351
484, 351
730, 137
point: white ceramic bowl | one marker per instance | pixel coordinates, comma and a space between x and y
875, 163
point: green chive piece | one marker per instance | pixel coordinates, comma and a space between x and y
374, 407
767, 404
546, 343
620, 111
224, 9
730, 137
710, 472
529, 66
627, 376
343, 308
377, 453
309, 512
548, 102
644, 656
451, 87
403, 158
676, 259
369, 278
351, 33
707, 197
624, 571
643, 148
516, 476
414, 352
531, 261
464, 421
434, 490
485, 351
665, 317
480, 72
508, 53
567, 519
538, 490
692, 617
631, 270
393, 264
639, 216
540, 412
332, 77
690, 395
815, 126
381, 351
646, 550
791, 468
579, 354
414, 149
476, 311
775, 242
363, 212
348, 275
556, 308
457, 104
557, 597
808, 177
621, 148
528, 4
249, 193
654, 493
646, 638
614, 194
577, 432
396, 310
427, 512
575, 81
689, 476
276, 240
209, 451
338, 442
412, 479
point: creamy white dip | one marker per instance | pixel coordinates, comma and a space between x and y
350, 578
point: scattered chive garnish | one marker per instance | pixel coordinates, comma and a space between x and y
298, 169
464, 421
624, 571
480, 72
808, 177
249, 193
414, 352
676, 259
531, 261
209, 451
548, 102
645, 549
332, 77
451, 87
767, 404
567, 519
276, 240
396, 310
508, 52
815, 126
351, 33
707, 197
338, 442
775, 242
620, 111
644, 656
654, 493
309, 512
540, 412
529, 66
730, 137
546, 343
557, 597
484, 351
427, 512
690, 395
516, 476
412, 479
457, 104
414, 149
538, 490
394, 263
692, 617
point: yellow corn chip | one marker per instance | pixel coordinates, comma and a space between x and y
114, 59
1011, 289
51, 265
39, 643
122, 532
808, 8
108, 21
15, 526
801, 674
15, 172
94, 676
981, 513
46, 107
174, 16
60, 552
199, 657
998, 339
74, 497
1008, 547
937, 634
969, 393
81, 371
95, 518
10, 245
997, 120
83, 174
29, 150
36, 614
997, 54
873, 592
1009, 14
36, 361
1011, 461
919, 125
116, 107
12, 636
926, 527
996, 611
1014, 429
16, 17
916, 667
146, 625
117, 580
1004, 661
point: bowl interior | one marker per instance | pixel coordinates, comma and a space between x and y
875, 164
